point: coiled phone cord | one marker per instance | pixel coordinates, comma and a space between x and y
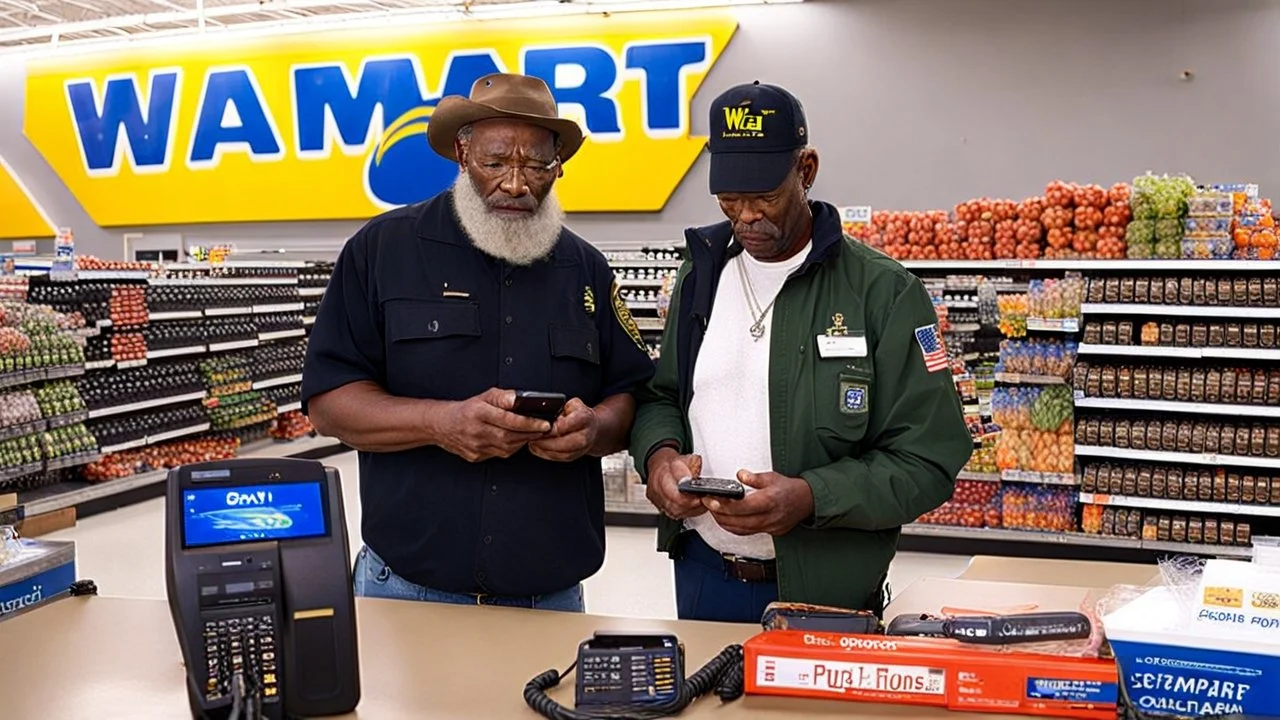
722, 674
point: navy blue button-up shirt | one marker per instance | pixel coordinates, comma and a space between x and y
415, 307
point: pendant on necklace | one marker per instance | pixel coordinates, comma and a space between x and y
757, 331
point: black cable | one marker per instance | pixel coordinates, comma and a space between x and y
723, 674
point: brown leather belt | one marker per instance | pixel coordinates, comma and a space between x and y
750, 570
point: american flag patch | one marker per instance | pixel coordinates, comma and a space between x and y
935, 353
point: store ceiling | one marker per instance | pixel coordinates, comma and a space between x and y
42, 22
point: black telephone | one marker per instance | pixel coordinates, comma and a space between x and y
259, 581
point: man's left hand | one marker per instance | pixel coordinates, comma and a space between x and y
778, 504
572, 436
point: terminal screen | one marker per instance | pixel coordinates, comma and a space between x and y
250, 513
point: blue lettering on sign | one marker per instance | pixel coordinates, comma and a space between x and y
664, 70
232, 116
381, 113
148, 132
330, 105
593, 87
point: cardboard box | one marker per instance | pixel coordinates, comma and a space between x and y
1022, 679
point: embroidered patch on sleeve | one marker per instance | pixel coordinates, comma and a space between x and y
623, 314
935, 353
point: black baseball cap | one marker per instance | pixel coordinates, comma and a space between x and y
755, 131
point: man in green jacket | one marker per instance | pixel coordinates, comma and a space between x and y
809, 368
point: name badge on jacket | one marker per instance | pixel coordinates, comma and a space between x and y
839, 342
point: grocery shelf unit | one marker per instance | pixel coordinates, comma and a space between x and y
1223, 480
179, 364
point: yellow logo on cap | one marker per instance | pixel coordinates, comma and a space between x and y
741, 123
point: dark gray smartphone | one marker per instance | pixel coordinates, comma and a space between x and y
719, 487
542, 405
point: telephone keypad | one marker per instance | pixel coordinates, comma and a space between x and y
244, 644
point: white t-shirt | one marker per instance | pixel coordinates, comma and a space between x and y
729, 414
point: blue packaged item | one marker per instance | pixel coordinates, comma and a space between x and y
1170, 670
40, 571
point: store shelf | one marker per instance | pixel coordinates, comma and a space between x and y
1160, 456
281, 334
641, 282
126, 364
222, 281
640, 263
277, 308
1000, 534
1180, 505
66, 419
289, 407
1178, 310
309, 320
146, 404
176, 315
176, 352
1053, 324
67, 461
1137, 350
959, 304
121, 447
1152, 264
276, 382
963, 327
174, 434
233, 345
1038, 478
99, 364
224, 312
311, 291
1020, 379
1178, 407
1164, 351
23, 429
65, 495
978, 477
1226, 551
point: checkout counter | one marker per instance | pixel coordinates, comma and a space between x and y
119, 658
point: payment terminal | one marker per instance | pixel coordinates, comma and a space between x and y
259, 580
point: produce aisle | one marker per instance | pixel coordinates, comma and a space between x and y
1118, 350
118, 371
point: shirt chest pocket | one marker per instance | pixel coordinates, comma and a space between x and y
433, 349
843, 394
575, 362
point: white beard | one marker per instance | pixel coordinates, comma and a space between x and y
519, 240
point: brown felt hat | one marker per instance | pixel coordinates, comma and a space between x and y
496, 96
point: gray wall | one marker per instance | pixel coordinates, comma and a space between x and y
923, 103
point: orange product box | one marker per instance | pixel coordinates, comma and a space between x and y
927, 671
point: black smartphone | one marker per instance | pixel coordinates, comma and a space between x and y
542, 405
719, 487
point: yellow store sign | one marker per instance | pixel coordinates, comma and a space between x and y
333, 126
20, 218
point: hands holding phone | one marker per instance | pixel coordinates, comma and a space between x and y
491, 425
776, 505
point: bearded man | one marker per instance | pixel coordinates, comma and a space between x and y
436, 314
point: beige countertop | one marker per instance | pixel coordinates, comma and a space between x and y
105, 657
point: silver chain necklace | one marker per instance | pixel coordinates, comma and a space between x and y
753, 305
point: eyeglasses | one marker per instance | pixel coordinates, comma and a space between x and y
531, 171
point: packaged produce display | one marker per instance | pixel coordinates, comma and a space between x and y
974, 504
291, 426
1159, 206
1037, 508
1056, 298
160, 457
1229, 438
1039, 357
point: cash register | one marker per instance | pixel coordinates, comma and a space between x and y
259, 582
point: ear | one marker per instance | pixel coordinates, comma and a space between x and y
460, 152
808, 167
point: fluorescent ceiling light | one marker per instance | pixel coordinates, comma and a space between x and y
373, 13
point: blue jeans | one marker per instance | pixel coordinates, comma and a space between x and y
374, 578
705, 591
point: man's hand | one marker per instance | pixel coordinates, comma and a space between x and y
665, 471
572, 436
484, 427
778, 504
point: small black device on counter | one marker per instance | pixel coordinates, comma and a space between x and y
259, 580
996, 629
542, 405
635, 676
717, 487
